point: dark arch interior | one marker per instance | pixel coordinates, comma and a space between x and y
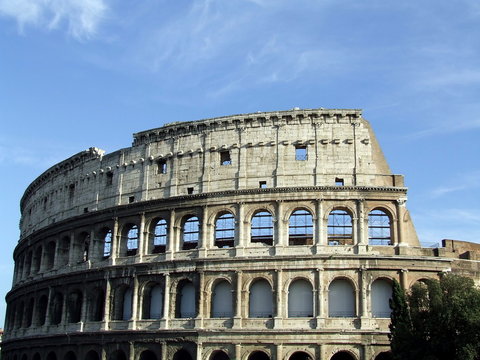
219, 355
118, 355
182, 355
386, 355
70, 356
92, 355
258, 355
300, 355
148, 355
342, 355
36, 356
51, 356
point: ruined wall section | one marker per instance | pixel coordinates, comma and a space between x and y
186, 158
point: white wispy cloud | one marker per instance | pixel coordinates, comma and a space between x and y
469, 181
82, 17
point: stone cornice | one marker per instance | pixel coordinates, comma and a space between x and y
241, 121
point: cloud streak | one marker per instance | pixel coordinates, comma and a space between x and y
82, 17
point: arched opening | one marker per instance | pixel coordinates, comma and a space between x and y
300, 355
340, 228
127, 304
51, 356
342, 355
182, 354
82, 246
42, 310
28, 263
107, 243
381, 294
36, 356
341, 299
148, 355
50, 255
92, 355
123, 303
379, 228
190, 233
117, 355
219, 355
131, 235
159, 233
186, 300
300, 228
29, 312
75, 300
300, 299
258, 355
97, 305
37, 260
70, 356
260, 300
57, 309
222, 300
386, 355
63, 251
24, 357
153, 301
19, 316
261, 230
225, 230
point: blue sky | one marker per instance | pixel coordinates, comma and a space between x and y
81, 73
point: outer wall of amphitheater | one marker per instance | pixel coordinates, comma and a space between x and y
259, 236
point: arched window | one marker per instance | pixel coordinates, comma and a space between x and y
107, 243
29, 313
182, 354
97, 305
300, 299
50, 255
190, 233
341, 299
222, 300
186, 300
260, 300
57, 308
219, 355
148, 355
262, 228
381, 294
160, 231
258, 355
300, 228
127, 304
225, 230
379, 226
63, 251
92, 355
340, 228
300, 355
37, 260
153, 301
41, 310
132, 240
74, 306
342, 355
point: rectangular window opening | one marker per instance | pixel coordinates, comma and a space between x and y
131, 199
262, 184
225, 158
162, 167
301, 153
339, 182
85, 210
109, 178
190, 190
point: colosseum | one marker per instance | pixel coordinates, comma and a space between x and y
260, 236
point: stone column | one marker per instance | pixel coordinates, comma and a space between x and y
201, 299
163, 350
49, 305
280, 236
171, 246
115, 241
279, 314
71, 251
135, 303
204, 238
279, 352
404, 279
363, 297
83, 315
320, 231
131, 351
237, 319
142, 239
166, 301
241, 236
321, 298
199, 351
362, 232
108, 295
400, 207
238, 351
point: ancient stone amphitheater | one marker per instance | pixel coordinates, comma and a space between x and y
259, 236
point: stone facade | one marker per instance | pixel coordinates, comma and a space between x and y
259, 236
